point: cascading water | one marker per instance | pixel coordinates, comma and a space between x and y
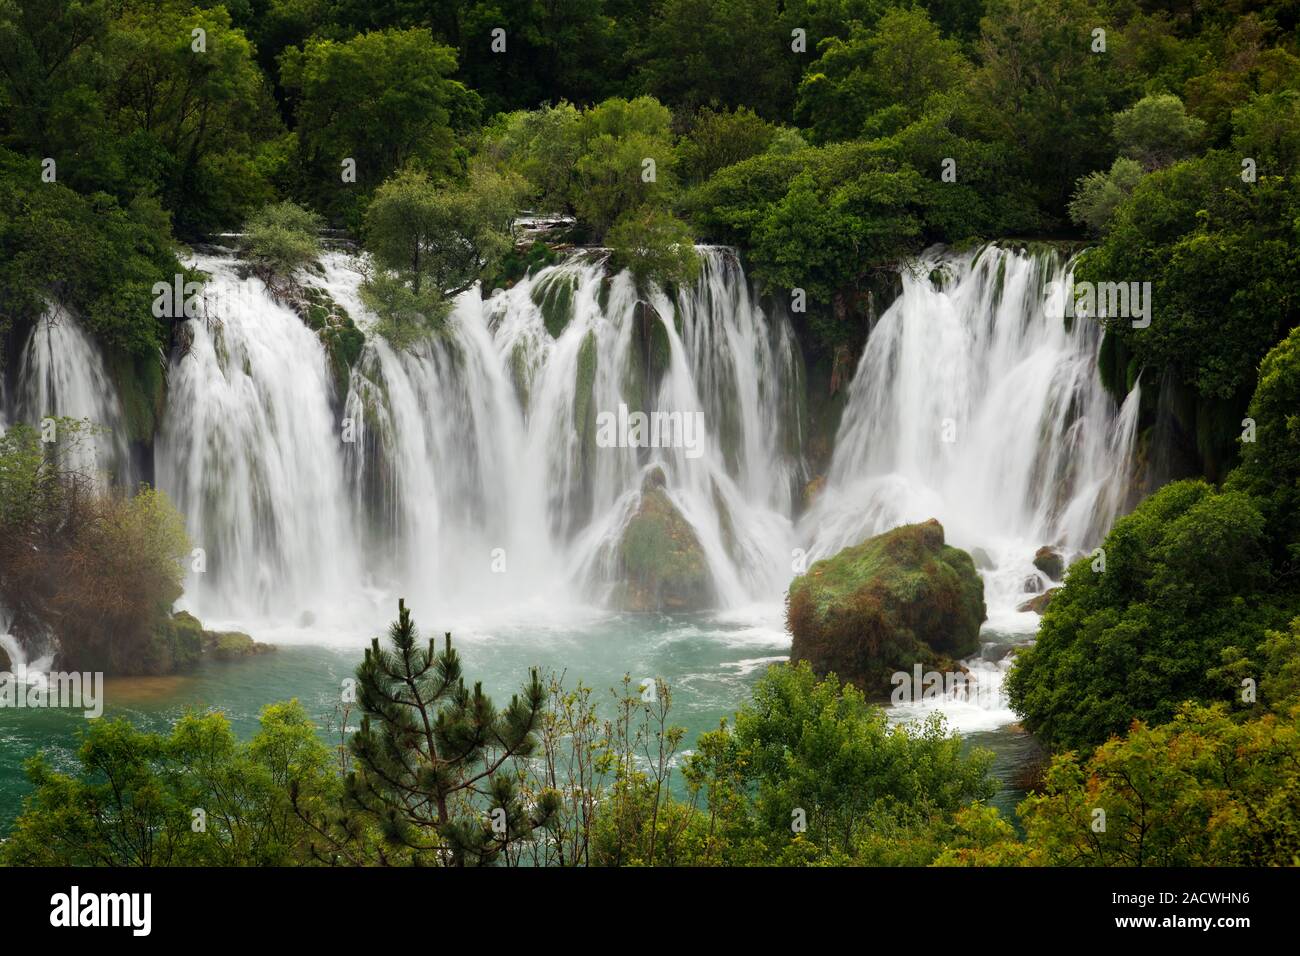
464, 471
478, 449
61, 374
250, 453
973, 404
470, 453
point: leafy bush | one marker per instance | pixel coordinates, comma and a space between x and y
283, 238
654, 245
812, 752
134, 801
1186, 576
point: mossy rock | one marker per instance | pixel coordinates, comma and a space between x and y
5, 663
662, 564
342, 340
553, 296
176, 645
231, 645
896, 600
141, 384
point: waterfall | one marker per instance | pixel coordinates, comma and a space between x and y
973, 404
61, 374
464, 471
250, 452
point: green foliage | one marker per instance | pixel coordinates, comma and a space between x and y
1220, 254
282, 238
435, 762
440, 237
396, 81
693, 59
85, 252
626, 161
1201, 790
655, 245
1100, 194
194, 798
133, 109
718, 139
1186, 576
1156, 131
817, 753
1042, 91
1270, 465
896, 65
542, 146
1267, 129
99, 571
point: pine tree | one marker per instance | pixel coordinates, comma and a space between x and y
437, 764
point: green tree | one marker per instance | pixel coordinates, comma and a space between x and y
1201, 790
718, 138
193, 111
1099, 194
1270, 465
194, 798
897, 64
813, 772
627, 160
435, 762
440, 239
1186, 575
1156, 131
654, 245
542, 146
397, 81
694, 56
1042, 93
283, 237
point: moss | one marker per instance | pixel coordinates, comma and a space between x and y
584, 409
585, 387
176, 645
334, 327
516, 264
141, 387
662, 563
231, 645
519, 373
554, 297
899, 599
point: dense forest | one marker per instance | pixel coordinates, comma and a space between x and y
828, 141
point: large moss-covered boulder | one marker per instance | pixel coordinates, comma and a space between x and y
661, 562
896, 600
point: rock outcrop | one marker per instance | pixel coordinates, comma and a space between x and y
898, 599
1050, 562
661, 562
